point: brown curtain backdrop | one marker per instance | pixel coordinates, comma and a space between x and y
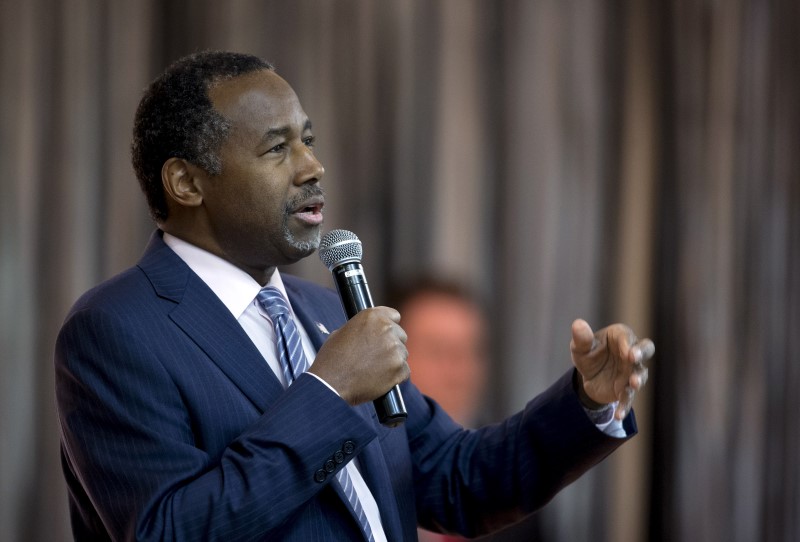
633, 161
727, 282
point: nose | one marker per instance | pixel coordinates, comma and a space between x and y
310, 170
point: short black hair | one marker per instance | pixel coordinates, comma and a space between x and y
176, 118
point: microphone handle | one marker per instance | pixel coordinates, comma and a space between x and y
354, 292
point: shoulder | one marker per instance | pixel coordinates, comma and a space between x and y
118, 312
306, 290
159, 278
159, 273
118, 291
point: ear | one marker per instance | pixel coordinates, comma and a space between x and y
179, 178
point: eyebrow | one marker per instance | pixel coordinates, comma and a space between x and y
282, 131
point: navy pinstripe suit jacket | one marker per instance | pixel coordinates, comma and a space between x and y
174, 428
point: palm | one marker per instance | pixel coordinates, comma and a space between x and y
610, 362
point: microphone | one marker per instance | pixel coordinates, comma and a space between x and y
340, 251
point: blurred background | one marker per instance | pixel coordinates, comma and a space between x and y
633, 161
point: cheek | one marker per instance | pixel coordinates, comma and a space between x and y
256, 201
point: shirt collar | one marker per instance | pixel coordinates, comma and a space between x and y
235, 288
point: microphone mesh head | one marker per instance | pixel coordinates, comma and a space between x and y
338, 247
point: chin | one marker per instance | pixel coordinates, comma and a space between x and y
304, 247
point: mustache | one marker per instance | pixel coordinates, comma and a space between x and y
307, 193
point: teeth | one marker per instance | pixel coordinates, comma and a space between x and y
309, 209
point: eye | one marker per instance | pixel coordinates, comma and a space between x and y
277, 148
309, 141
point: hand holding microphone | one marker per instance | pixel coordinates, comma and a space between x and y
372, 344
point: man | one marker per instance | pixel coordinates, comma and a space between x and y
447, 344
186, 409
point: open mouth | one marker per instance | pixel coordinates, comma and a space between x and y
310, 212
317, 208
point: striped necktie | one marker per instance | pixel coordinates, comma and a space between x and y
294, 363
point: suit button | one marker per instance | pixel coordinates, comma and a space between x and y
349, 447
338, 457
320, 476
330, 466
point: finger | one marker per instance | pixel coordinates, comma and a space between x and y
638, 378
643, 350
625, 403
402, 335
623, 339
582, 337
390, 313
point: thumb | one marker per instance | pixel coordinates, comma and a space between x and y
582, 337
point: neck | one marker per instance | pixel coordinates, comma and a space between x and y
261, 275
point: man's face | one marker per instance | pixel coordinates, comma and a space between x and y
446, 352
265, 208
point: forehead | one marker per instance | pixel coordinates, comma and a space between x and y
440, 307
257, 99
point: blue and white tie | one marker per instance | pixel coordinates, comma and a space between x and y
294, 363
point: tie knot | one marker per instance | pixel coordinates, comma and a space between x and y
272, 301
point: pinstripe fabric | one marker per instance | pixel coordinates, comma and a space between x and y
174, 428
294, 363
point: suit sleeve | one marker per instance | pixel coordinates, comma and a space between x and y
474, 482
129, 447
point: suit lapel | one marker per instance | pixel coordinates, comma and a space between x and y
207, 322
320, 317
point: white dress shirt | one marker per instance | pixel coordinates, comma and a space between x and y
237, 290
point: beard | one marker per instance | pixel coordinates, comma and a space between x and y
310, 241
305, 246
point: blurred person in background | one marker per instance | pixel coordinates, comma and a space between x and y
447, 344
448, 354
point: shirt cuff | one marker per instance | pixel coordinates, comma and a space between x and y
605, 421
326, 384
